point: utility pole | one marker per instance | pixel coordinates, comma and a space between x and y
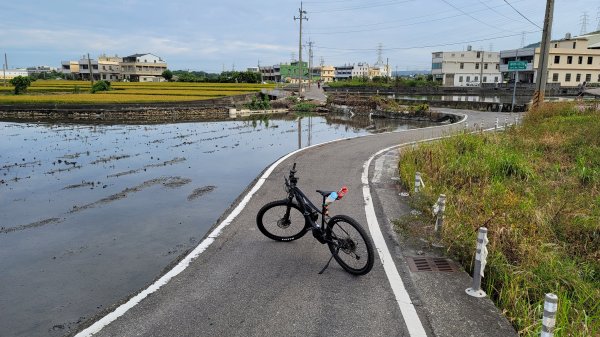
91, 70
481, 69
310, 62
4, 68
261, 75
301, 17
542, 75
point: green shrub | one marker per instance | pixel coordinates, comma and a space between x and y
100, 86
20, 83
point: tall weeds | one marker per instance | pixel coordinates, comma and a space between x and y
536, 188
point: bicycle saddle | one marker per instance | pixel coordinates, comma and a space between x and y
324, 193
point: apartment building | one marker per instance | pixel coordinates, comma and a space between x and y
466, 68
109, 68
271, 73
143, 68
343, 72
572, 61
360, 70
327, 73
70, 68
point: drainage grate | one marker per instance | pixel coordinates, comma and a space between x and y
430, 264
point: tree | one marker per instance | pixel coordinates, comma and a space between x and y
167, 75
20, 83
100, 86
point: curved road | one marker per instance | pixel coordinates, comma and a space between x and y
244, 284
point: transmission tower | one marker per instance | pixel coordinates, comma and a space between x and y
380, 53
322, 61
523, 39
584, 22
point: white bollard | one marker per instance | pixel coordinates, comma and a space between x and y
418, 182
549, 320
496, 125
505, 122
480, 262
439, 210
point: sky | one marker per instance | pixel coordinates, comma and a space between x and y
236, 34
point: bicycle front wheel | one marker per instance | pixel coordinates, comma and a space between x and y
350, 245
281, 220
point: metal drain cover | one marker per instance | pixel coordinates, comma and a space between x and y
419, 263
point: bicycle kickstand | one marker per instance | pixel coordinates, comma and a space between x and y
331, 258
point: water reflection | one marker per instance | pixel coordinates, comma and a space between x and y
77, 198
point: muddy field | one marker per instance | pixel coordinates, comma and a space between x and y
90, 214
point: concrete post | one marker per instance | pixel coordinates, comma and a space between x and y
418, 182
439, 222
505, 122
549, 320
480, 262
496, 125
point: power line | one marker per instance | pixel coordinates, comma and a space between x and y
471, 16
373, 5
427, 46
521, 14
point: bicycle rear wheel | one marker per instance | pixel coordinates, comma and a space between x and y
350, 245
281, 220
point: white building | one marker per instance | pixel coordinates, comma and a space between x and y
466, 68
12, 73
360, 70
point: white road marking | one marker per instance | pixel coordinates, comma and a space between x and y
185, 262
411, 318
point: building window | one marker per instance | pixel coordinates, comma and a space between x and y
590, 59
484, 79
478, 54
462, 55
476, 78
569, 59
574, 45
453, 55
556, 59
485, 66
568, 78
476, 65
497, 66
580, 61
462, 66
578, 78
460, 78
495, 79
555, 77
588, 78
556, 45
468, 78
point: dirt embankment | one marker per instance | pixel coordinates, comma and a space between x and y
380, 107
211, 109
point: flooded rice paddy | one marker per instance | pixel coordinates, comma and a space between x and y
90, 214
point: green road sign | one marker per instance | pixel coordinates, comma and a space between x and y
517, 65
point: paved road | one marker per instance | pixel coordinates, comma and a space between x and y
247, 285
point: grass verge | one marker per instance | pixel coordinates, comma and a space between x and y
536, 189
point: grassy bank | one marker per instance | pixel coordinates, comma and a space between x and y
537, 189
78, 92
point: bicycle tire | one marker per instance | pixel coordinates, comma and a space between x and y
349, 242
272, 222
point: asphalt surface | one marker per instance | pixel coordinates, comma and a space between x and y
245, 284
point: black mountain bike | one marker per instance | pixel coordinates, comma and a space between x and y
288, 220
